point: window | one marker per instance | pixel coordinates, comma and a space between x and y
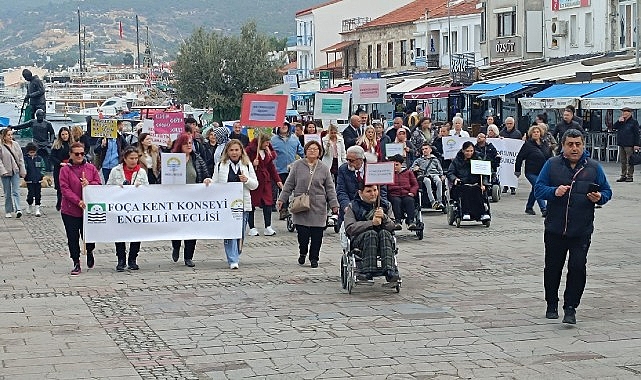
404, 52
369, 57
483, 30
454, 42
465, 39
390, 54
446, 44
588, 29
506, 24
573, 31
379, 53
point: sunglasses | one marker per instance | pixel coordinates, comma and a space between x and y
78, 153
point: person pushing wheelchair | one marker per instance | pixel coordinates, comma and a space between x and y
369, 225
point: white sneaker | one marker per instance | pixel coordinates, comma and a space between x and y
253, 232
467, 217
269, 231
8, 215
38, 211
485, 217
233, 266
29, 209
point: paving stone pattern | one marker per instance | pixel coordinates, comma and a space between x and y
471, 306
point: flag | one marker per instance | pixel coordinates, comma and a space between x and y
121, 30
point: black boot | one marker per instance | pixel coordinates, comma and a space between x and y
131, 263
121, 264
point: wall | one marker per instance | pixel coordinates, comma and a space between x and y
383, 36
438, 28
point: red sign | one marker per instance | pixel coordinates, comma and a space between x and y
260, 110
169, 122
567, 4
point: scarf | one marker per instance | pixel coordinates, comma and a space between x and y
129, 173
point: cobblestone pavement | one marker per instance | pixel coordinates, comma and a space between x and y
471, 306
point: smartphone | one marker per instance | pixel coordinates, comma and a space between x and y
594, 188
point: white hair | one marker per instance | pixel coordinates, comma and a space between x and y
493, 128
509, 118
456, 119
357, 150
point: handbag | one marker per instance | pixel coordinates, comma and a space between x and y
300, 203
635, 158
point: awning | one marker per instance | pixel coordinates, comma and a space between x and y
337, 48
561, 95
502, 92
617, 96
337, 90
482, 88
334, 65
407, 85
429, 93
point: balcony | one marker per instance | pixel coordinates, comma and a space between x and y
353, 23
300, 43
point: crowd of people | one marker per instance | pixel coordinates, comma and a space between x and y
324, 178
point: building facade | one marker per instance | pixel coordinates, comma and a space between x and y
511, 30
321, 26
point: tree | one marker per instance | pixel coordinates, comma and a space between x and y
128, 59
214, 70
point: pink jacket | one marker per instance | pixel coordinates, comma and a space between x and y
71, 187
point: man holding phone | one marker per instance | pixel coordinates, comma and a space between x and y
572, 184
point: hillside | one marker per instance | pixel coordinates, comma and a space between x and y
34, 30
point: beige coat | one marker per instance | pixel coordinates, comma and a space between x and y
321, 192
10, 165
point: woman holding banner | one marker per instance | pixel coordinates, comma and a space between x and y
262, 158
59, 157
149, 158
235, 166
73, 178
196, 173
129, 172
312, 177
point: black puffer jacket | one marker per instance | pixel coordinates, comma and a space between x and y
627, 132
462, 169
534, 155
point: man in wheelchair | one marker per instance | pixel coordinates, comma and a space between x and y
369, 225
428, 169
468, 187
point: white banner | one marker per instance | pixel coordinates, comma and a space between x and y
331, 106
544, 104
163, 212
452, 145
508, 150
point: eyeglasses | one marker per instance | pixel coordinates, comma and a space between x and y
353, 159
78, 154
188, 143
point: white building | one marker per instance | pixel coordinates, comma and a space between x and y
319, 27
588, 27
462, 21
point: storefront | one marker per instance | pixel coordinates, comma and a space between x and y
440, 103
604, 106
506, 103
474, 110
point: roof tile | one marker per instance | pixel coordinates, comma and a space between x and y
416, 10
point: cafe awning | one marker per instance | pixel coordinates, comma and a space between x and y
502, 92
429, 93
482, 88
407, 85
561, 95
617, 96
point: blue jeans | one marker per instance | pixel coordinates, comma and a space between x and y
11, 186
233, 246
530, 200
105, 174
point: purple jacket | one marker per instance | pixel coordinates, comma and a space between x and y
71, 187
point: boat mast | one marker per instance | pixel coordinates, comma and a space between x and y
79, 44
138, 43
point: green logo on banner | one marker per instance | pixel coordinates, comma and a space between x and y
97, 213
332, 106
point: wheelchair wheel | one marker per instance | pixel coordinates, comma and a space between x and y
486, 223
419, 233
450, 215
290, 224
458, 222
351, 274
337, 227
344, 271
398, 288
496, 193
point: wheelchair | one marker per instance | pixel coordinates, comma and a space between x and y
495, 190
350, 260
455, 209
331, 222
424, 200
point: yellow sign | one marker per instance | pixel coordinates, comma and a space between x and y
104, 128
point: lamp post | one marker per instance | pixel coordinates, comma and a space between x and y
636, 65
449, 34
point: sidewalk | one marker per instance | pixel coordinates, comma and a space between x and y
471, 306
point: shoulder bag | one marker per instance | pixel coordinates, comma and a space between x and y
300, 203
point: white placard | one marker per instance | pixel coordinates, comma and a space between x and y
331, 106
173, 168
393, 149
148, 126
481, 167
369, 91
379, 174
312, 137
173, 212
453, 144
